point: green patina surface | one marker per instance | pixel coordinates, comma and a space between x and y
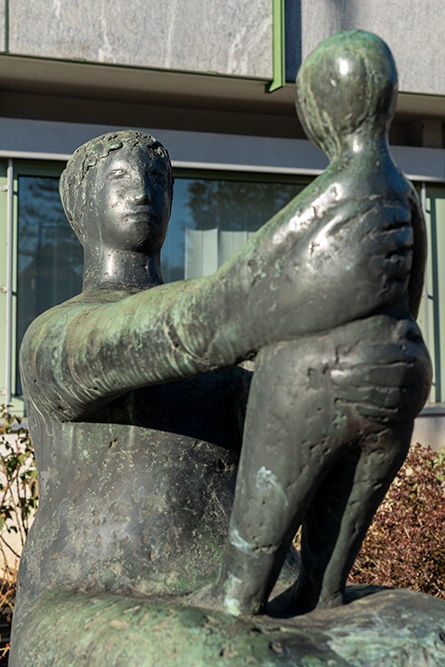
386, 629
136, 470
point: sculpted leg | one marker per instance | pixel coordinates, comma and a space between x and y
380, 459
318, 454
338, 518
287, 450
320, 532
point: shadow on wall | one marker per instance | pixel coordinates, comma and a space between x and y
337, 14
293, 46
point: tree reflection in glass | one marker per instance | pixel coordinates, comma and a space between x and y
211, 219
50, 258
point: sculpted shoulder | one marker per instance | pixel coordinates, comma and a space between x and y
45, 344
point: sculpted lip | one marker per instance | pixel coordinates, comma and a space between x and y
143, 215
143, 212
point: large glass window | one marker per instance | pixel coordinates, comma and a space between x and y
212, 216
49, 258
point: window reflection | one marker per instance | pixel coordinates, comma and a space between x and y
211, 219
50, 258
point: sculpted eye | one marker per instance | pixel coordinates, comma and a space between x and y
116, 173
158, 187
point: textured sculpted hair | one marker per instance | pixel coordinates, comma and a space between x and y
348, 83
74, 181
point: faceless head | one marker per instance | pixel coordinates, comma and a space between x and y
348, 84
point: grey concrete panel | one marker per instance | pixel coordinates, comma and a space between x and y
2, 26
232, 37
413, 30
429, 428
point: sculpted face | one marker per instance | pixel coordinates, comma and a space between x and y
129, 207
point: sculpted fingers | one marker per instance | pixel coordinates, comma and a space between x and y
385, 381
392, 262
396, 238
394, 256
396, 266
396, 374
382, 397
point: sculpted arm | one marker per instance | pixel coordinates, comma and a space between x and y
79, 354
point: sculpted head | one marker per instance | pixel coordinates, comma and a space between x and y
117, 191
347, 85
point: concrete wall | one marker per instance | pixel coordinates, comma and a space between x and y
429, 429
233, 37
413, 30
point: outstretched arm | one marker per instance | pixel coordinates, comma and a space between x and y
81, 353
276, 287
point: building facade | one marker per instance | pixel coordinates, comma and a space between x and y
215, 83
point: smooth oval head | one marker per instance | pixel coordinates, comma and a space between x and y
347, 90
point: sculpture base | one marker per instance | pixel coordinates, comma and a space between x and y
380, 626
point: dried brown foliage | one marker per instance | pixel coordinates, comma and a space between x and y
405, 545
7, 596
18, 502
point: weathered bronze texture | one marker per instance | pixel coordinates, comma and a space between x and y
136, 403
309, 456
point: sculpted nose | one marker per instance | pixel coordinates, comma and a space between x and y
141, 189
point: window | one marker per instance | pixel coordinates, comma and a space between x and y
49, 256
213, 214
432, 309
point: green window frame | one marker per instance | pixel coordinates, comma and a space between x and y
432, 308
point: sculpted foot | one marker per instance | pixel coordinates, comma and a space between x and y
207, 598
294, 601
226, 596
332, 600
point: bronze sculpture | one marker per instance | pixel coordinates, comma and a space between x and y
136, 403
300, 440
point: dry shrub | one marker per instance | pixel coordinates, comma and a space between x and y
7, 596
405, 545
18, 503
18, 482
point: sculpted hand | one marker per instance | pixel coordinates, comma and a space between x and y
344, 266
387, 381
364, 260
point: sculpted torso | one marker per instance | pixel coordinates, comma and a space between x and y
139, 485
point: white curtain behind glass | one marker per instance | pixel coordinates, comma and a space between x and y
206, 250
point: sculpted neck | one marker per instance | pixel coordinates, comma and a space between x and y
360, 145
107, 268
